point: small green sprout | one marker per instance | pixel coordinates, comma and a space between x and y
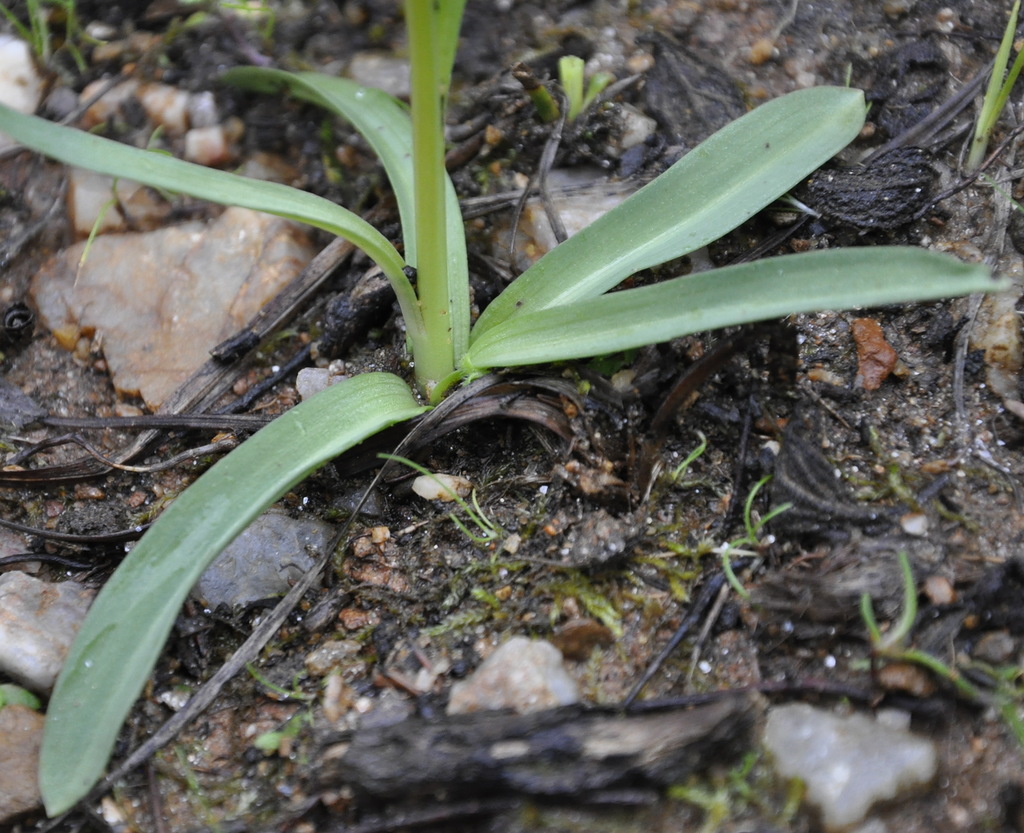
570, 78
570, 74
488, 532
38, 33
1007, 695
998, 91
15, 695
750, 541
279, 741
691, 458
540, 96
894, 641
724, 797
293, 693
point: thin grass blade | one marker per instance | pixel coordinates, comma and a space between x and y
765, 289
714, 188
131, 618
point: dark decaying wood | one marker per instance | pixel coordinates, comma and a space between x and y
568, 751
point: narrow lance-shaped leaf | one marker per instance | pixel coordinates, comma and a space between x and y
158, 170
378, 117
384, 122
131, 618
765, 289
714, 188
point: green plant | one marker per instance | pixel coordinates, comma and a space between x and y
15, 695
488, 532
1008, 692
998, 91
750, 538
556, 310
570, 75
725, 796
38, 34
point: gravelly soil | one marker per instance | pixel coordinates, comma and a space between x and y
927, 442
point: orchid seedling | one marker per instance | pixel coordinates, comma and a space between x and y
559, 309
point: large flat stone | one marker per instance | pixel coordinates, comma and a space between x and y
160, 300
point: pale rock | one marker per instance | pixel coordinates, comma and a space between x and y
38, 622
311, 380
524, 675
636, 127
21, 734
270, 555
998, 332
207, 146
160, 301
213, 145
332, 654
381, 71
166, 106
101, 203
109, 103
849, 763
579, 197
202, 110
441, 487
21, 88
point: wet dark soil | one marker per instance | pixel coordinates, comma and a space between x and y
927, 461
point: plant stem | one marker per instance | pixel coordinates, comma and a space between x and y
997, 92
434, 353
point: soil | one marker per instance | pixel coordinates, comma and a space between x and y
926, 459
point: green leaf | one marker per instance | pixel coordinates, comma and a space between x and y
714, 188
131, 618
446, 44
765, 289
15, 695
384, 122
158, 170
380, 119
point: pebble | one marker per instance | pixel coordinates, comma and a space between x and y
21, 733
914, 523
111, 100
998, 333
996, 648
524, 675
91, 204
580, 197
38, 622
311, 380
166, 106
876, 358
442, 487
332, 654
264, 561
151, 298
848, 763
381, 71
216, 144
21, 88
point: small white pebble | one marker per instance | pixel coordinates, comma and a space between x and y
207, 146
915, 523
441, 487
165, 105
